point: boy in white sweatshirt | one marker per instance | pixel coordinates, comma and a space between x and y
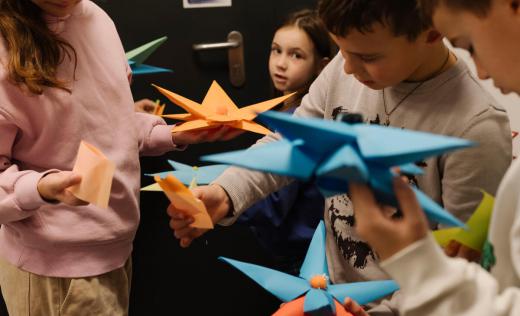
431, 283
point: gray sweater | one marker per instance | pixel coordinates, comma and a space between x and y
453, 103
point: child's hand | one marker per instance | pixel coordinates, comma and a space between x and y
145, 106
353, 307
456, 249
217, 203
388, 235
54, 187
221, 133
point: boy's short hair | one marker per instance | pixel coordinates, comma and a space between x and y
403, 17
477, 7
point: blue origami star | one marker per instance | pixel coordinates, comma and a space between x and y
320, 297
334, 153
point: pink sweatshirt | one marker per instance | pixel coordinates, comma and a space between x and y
39, 133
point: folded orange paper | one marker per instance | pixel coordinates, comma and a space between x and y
218, 109
183, 200
96, 173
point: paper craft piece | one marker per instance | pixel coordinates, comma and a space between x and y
182, 198
311, 293
137, 57
218, 109
188, 175
96, 173
334, 153
478, 226
159, 108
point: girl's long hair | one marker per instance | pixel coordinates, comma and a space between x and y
34, 51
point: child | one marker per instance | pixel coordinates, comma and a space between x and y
284, 221
394, 69
433, 284
64, 78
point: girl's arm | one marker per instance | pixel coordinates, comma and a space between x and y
19, 196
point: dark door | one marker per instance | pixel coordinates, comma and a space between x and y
169, 280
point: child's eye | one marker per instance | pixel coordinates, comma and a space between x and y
368, 59
296, 56
276, 50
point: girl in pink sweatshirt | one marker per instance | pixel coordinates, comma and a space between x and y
64, 78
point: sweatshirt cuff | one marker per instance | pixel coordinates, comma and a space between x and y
26, 191
420, 268
161, 138
233, 193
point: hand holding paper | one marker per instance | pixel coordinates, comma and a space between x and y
217, 204
96, 173
184, 202
55, 187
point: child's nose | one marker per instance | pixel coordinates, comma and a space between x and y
282, 62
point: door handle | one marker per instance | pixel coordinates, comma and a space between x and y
235, 48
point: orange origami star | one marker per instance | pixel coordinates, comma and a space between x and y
218, 109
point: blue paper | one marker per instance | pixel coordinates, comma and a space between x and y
334, 153
317, 301
187, 174
282, 285
315, 262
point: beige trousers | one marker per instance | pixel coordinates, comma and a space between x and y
28, 294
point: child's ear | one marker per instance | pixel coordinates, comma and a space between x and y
433, 36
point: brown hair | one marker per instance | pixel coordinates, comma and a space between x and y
35, 52
309, 22
477, 7
402, 16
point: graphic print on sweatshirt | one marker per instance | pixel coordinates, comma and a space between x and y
341, 216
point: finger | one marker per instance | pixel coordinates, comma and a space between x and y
232, 134
185, 232
186, 242
353, 307
468, 253
363, 200
217, 133
69, 198
407, 200
179, 225
175, 213
452, 249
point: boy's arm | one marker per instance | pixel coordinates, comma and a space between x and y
245, 187
433, 284
465, 172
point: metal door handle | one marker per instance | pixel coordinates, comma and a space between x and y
210, 46
235, 47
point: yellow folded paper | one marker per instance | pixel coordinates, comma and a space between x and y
159, 108
155, 187
96, 173
478, 226
183, 200
218, 109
